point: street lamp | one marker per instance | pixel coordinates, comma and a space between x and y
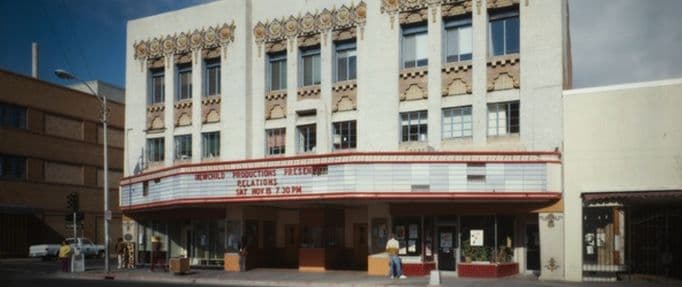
62, 74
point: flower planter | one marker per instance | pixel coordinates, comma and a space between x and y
487, 270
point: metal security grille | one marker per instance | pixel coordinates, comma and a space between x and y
632, 240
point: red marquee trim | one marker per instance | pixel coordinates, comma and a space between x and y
412, 196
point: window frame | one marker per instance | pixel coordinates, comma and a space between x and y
279, 134
156, 146
504, 15
457, 23
509, 126
13, 116
182, 70
207, 145
209, 65
345, 128
415, 31
281, 59
157, 74
419, 118
182, 145
307, 133
455, 112
12, 167
314, 53
346, 47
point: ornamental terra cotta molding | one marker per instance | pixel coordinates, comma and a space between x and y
311, 23
412, 11
206, 38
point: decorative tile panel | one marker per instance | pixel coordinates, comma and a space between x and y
276, 105
503, 73
210, 109
308, 92
183, 113
344, 96
413, 84
211, 37
492, 4
456, 78
155, 116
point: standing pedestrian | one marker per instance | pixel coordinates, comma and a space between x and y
120, 252
65, 256
157, 256
395, 268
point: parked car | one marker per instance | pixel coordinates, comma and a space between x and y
86, 247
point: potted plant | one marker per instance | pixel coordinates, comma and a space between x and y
474, 253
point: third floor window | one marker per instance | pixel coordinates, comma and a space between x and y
212, 78
210, 145
157, 84
346, 61
12, 116
183, 147
413, 47
414, 126
503, 118
184, 83
458, 38
277, 71
504, 32
310, 63
155, 149
344, 135
276, 141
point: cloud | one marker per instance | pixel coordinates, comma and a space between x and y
625, 41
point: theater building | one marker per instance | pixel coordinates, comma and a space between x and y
309, 131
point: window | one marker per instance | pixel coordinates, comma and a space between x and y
310, 62
414, 126
184, 83
211, 144
158, 87
458, 38
155, 149
504, 32
277, 71
145, 188
212, 78
414, 47
12, 116
183, 147
346, 61
457, 122
503, 118
408, 232
276, 141
344, 135
13, 167
306, 138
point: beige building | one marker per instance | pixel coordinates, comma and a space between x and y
51, 146
623, 181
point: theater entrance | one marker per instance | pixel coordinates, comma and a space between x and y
447, 248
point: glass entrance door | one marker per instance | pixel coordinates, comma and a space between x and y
446, 248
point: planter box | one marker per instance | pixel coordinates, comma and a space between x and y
179, 265
487, 270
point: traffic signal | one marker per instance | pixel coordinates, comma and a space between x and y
72, 201
80, 216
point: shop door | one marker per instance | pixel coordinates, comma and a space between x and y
360, 247
532, 247
446, 248
291, 245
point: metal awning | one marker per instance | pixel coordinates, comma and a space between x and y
632, 196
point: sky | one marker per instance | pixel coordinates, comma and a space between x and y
615, 41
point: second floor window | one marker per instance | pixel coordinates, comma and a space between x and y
346, 61
504, 32
184, 83
157, 92
155, 149
414, 47
503, 118
414, 126
275, 141
212, 78
344, 135
183, 147
210, 144
458, 38
277, 71
310, 61
306, 138
12, 116
13, 167
457, 122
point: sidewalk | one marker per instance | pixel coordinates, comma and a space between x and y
292, 277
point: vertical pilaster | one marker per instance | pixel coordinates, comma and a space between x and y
258, 102
292, 87
551, 227
197, 94
169, 116
479, 112
324, 111
435, 37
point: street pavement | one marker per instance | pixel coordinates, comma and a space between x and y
33, 272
